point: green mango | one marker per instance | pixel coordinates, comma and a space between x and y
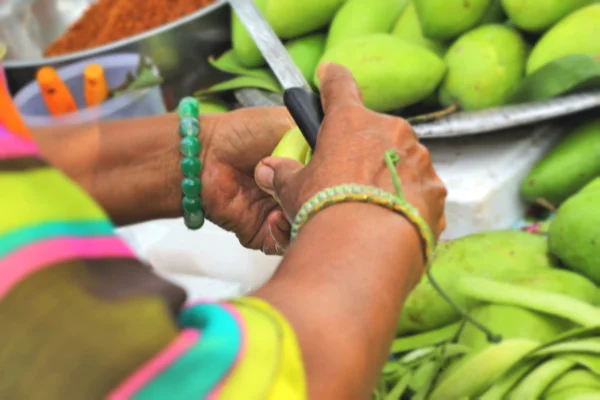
574, 235
213, 107
391, 72
510, 322
447, 19
362, 17
306, 53
408, 27
504, 255
485, 66
568, 167
536, 16
593, 185
577, 33
243, 45
293, 18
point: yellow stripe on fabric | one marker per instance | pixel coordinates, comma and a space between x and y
290, 380
45, 194
253, 376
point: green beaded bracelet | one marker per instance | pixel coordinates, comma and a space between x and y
190, 147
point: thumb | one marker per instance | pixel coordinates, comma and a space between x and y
274, 175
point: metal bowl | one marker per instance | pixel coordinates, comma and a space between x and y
179, 49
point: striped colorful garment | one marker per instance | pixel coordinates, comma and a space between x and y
81, 318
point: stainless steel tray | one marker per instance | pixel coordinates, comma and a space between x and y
469, 123
179, 49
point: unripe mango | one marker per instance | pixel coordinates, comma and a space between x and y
574, 235
485, 66
577, 33
447, 19
408, 27
362, 17
568, 167
502, 255
391, 72
243, 45
293, 18
538, 15
306, 53
213, 107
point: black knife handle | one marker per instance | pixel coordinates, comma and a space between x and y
305, 107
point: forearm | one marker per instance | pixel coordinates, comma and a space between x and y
130, 167
342, 285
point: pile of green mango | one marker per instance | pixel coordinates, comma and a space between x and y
467, 54
541, 321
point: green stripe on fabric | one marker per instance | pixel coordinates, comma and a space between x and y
15, 239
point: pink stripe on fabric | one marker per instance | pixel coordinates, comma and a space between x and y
12, 146
17, 265
140, 378
214, 394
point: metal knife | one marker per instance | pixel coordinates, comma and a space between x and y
301, 101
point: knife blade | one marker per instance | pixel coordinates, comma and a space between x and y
301, 101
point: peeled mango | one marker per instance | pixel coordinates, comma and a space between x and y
293, 18
510, 322
538, 15
574, 235
577, 33
243, 45
485, 66
391, 72
447, 19
568, 167
504, 255
408, 27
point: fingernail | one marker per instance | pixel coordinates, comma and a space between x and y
322, 68
265, 176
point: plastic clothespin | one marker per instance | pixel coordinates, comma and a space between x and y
55, 93
95, 86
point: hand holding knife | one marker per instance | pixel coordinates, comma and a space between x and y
303, 104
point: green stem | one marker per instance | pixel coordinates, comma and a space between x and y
425, 339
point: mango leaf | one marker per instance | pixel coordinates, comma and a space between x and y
569, 74
229, 63
266, 82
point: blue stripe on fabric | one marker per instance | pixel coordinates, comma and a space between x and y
196, 373
10, 241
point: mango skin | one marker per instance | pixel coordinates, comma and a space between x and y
574, 235
485, 66
447, 19
306, 53
408, 27
293, 18
536, 16
391, 73
504, 255
577, 33
243, 45
362, 17
569, 166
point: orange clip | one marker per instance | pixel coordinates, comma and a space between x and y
95, 86
9, 114
55, 93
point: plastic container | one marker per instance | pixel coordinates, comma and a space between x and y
143, 103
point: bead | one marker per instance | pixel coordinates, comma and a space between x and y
193, 220
188, 107
191, 187
189, 126
190, 146
191, 204
190, 166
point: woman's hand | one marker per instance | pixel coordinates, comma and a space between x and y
235, 144
351, 148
